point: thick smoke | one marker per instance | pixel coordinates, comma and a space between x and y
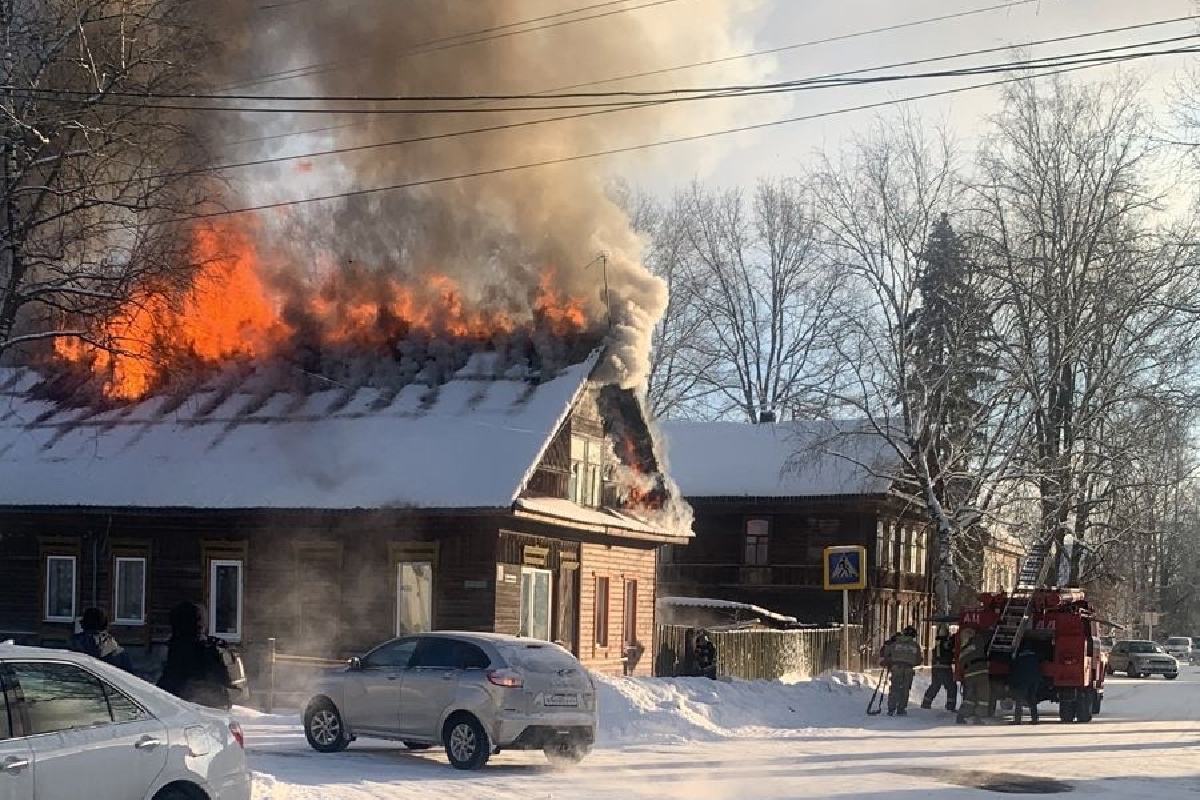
497, 236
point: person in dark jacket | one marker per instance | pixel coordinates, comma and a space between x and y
95, 640
973, 662
705, 653
942, 672
1026, 679
195, 670
904, 656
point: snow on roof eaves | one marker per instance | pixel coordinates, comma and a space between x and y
471, 446
729, 605
777, 460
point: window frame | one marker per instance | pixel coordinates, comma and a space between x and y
46, 615
535, 574
213, 566
399, 570
600, 614
629, 613
756, 542
117, 619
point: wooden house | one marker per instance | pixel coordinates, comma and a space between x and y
770, 497
495, 500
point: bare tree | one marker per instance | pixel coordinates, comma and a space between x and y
919, 351
91, 174
768, 305
1092, 292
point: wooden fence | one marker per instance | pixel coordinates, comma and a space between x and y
759, 654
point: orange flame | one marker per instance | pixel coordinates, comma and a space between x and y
230, 312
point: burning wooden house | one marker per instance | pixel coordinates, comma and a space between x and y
485, 492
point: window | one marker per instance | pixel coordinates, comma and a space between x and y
630, 613
602, 612
59, 697
436, 652
757, 535
60, 588
471, 657
394, 655
129, 591
922, 552
586, 485
535, 603
414, 597
880, 544
225, 600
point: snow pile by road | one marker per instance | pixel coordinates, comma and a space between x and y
661, 710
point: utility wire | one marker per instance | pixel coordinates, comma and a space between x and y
530, 123
647, 145
756, 90
469, 38
634, 94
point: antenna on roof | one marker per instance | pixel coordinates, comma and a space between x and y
603, 260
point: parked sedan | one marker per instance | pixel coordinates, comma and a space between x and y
473, 693
1137, 657
74, 728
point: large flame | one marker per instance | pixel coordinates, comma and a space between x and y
233, 312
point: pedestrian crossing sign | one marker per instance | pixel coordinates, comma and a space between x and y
844, 567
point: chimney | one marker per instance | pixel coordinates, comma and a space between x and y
766, 415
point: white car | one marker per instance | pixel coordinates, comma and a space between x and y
1180, 647
74, 728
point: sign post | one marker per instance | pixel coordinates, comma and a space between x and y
844, 571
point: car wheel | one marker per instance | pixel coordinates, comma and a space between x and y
467, 744
565, 755
1171, 677
1097, 700
174, 793
417, 745
1083, 707
1108, 670
1131, 672
1066, 711
324, 728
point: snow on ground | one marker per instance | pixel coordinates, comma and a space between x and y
697, 739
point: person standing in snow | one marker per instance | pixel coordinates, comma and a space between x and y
903, 657
973, 661
95, 640
195, 668
885, 651
942, 672
1026, 682
705, 653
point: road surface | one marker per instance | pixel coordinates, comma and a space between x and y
1144, 744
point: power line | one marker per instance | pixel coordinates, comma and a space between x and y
574, 116
732, 92
644, 93
469, 38
649, 145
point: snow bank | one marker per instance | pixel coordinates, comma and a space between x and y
672, 710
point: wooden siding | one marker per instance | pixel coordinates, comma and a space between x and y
619, 564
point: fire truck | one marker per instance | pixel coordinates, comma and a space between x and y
1058, 623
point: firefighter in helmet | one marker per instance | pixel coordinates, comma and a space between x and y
942, 671
903, 658
973, 661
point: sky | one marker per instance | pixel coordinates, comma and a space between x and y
740, 159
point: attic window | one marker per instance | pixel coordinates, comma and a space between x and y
587, 461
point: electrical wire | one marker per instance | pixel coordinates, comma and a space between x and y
756, 90
638, 147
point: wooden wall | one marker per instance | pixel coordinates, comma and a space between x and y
619, 564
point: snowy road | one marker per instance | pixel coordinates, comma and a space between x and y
1146, 743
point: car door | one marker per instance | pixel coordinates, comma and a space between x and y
16, 757
371, 701
88, 738
1118, 659
429, 687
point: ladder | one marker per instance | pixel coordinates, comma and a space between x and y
1014, 620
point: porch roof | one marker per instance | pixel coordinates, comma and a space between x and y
471, 442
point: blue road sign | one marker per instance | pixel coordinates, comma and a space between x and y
845, 567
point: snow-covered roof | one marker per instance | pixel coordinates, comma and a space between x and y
725, 605
778, 459
471, 442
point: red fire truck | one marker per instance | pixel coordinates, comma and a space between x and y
1062, 627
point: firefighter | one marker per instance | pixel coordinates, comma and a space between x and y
904, 655
706, 656
973, 661
942, 672
1026, 682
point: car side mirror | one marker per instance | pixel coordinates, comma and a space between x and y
355, 664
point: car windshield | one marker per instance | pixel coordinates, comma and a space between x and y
545, 658
1144, 647
1180, 640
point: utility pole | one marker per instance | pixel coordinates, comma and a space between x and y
602, 259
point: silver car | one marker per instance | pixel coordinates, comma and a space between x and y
1137, 657
473, 693
1180, 647
72, 727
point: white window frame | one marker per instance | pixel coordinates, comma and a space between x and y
74, 589
119, 620
535, 573
428, 602
213, 566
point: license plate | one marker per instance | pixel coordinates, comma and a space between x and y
561, 700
